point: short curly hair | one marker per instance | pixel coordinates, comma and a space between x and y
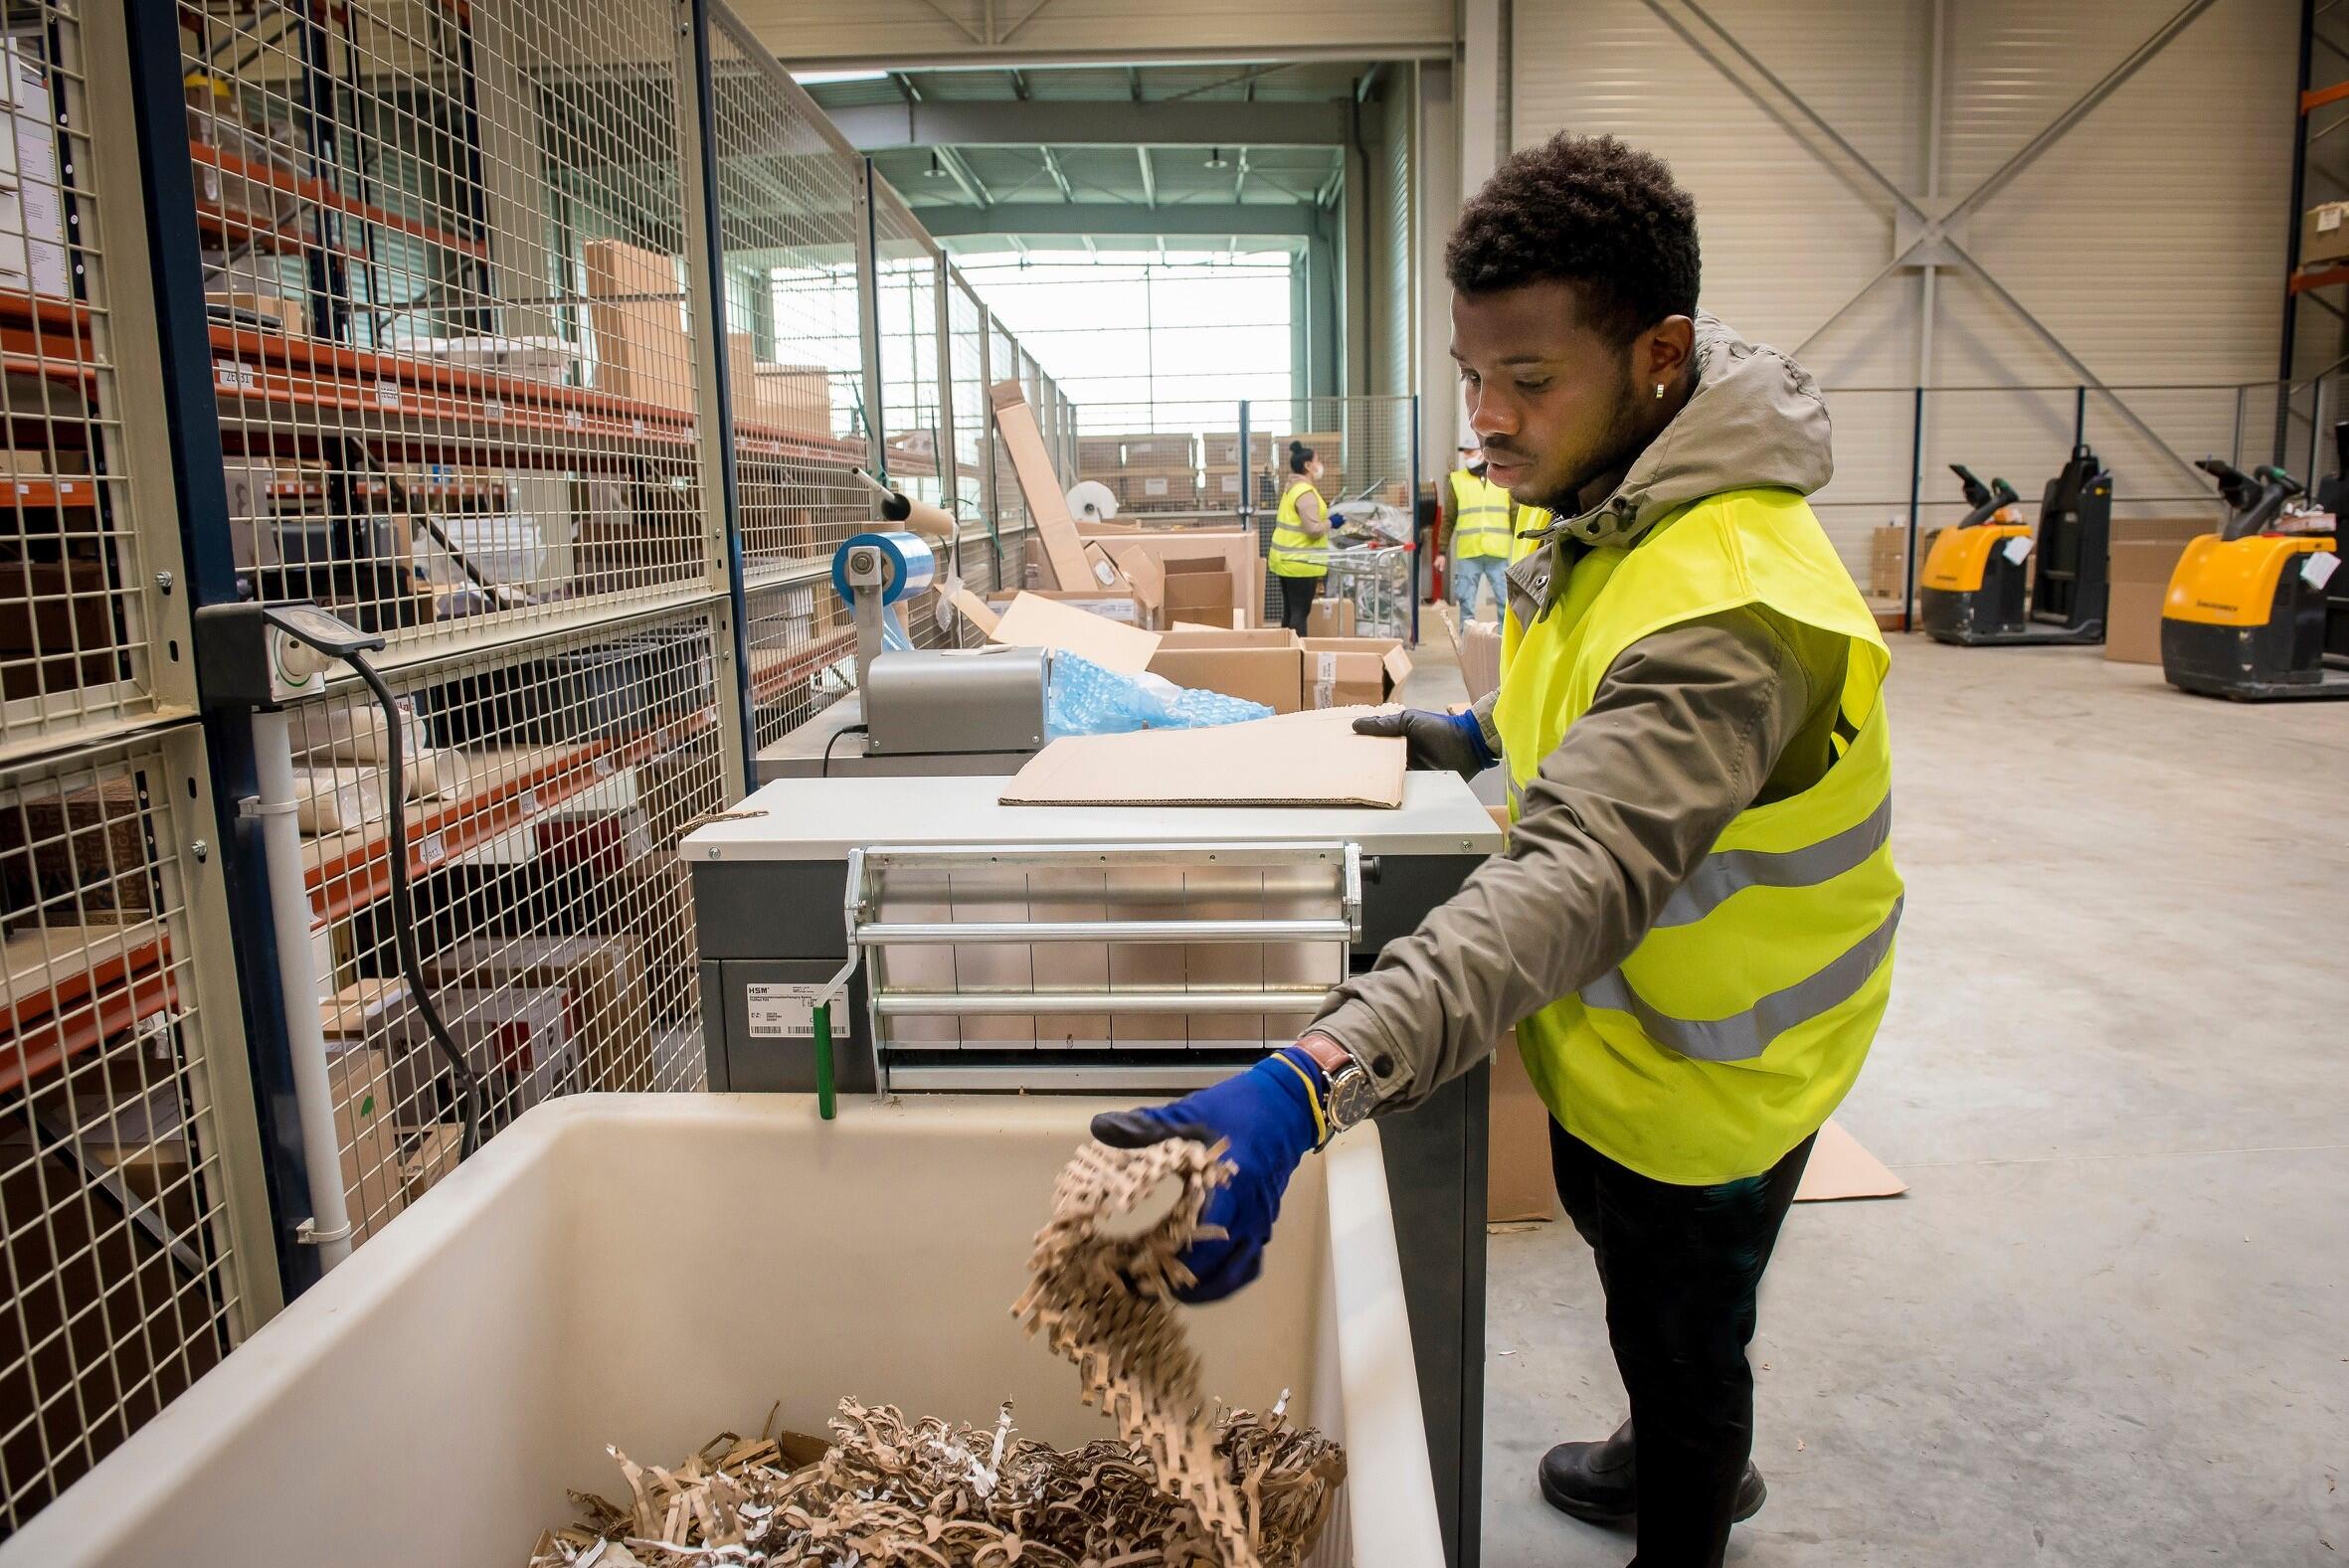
1593, 210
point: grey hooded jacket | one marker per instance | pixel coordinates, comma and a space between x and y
1689, 727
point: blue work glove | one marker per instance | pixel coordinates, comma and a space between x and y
1273, 1115
1435, 741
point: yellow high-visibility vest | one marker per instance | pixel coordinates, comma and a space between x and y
1293, 552
1737, 1026
1480, 517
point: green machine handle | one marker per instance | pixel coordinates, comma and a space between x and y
826, 1105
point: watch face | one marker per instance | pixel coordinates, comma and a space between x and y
1351, 1096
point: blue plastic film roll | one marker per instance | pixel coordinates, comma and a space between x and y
912, 565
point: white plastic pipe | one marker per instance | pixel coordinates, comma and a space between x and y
297, 983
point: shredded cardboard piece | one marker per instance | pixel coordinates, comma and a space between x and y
1106, 1303
1175, 1490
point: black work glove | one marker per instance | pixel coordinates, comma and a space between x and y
1435, 741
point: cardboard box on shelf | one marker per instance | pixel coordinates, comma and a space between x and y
1341, 672
634, 306
275, 312
56, 627
1222, 487
742, 374
1331, 617
365, 1091
2145, 552
1221, 450
1100, 454
2325, 234
81, 854
1519, 1185
1888, 561
1144, 492
1255, 666
1159, 451
796, 398
606, 1004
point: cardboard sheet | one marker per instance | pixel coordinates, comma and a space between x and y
972, 608
1300, 759
1034, 621
1047, 503
1142, 568
1840, 1168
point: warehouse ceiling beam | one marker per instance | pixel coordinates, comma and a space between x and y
948, 158
1162, 122
1052, 167
1107, 219
1925, 237
1149, 177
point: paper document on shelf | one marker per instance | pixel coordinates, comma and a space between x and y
1840, 1168
1293, 758
1034, 622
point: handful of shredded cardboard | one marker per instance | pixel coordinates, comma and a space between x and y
1174, 1490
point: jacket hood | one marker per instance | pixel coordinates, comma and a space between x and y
1755, 421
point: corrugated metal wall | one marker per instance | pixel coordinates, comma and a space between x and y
2148, 239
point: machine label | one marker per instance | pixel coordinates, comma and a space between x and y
788, 1012
2018, 550
2319, 569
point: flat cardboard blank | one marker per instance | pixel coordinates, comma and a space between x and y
1294, 759
1840, 1168
1037, 622
1047, 506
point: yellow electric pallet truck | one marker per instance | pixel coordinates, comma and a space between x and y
2246, 611
1972, 589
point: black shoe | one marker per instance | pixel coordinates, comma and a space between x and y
1598, 1482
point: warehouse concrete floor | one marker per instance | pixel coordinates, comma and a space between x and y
2106, 1324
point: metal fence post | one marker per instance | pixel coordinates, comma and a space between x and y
705, 244
868, 321
1414, 508
200, 493
1247, 472
1917, 458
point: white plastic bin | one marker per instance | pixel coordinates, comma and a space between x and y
648, 1270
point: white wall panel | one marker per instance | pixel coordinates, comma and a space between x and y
2149, 238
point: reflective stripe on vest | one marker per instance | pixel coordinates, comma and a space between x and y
1742, 1037
1726, 872
1481, 516
1293, 552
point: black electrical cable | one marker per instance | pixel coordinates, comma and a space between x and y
851, 729
404, 932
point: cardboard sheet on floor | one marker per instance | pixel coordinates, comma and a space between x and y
1037, 622
1840, 1168
1296, 759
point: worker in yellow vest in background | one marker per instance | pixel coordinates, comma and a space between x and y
1484, 531
1299, 554
1692, 927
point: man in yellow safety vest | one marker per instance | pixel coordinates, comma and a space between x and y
1692, 927
1483, 531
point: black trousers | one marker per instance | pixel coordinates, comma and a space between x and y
1679, 1266
1297, 601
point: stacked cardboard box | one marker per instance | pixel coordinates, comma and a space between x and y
641, 350
2324, 235
1152, 491
1888, 561
2145, 552
796, 398
1279, 669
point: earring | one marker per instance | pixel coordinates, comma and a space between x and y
1659, 390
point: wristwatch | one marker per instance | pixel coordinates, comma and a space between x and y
1351, 1096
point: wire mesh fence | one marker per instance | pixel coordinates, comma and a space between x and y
465, 327
74, 574
125, 1281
